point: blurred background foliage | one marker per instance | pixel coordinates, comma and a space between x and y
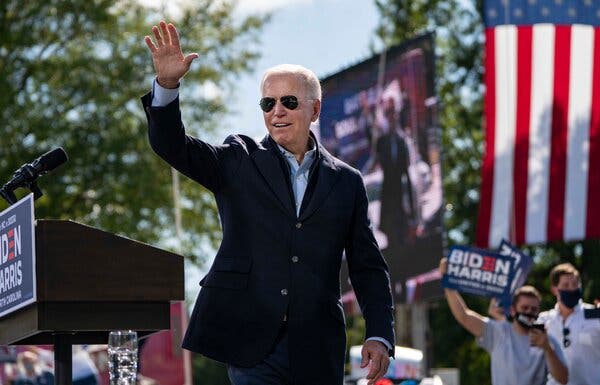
71, 74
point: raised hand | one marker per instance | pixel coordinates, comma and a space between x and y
169, 63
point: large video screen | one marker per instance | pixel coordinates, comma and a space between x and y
380, 116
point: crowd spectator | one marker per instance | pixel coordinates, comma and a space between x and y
567, 322
31, 370
519, 352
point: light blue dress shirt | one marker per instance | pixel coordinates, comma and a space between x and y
299, 172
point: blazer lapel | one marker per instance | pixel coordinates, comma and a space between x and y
326, 179
270, 168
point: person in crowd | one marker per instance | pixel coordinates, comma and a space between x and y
85, 371
31, 370
270, 305
567, 322
519, 352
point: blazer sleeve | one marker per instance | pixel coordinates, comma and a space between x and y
207, 164
368, 271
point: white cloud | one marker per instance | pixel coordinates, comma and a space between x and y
171, 10
243, 7
263, 6
211, 91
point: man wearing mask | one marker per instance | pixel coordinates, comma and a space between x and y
519, 352
567, 322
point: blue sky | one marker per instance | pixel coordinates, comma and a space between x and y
323, 35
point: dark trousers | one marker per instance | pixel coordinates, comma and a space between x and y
273, 370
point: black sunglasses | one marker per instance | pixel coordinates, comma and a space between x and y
289, 101
566, 340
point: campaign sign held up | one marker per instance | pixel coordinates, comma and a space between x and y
523, 263
479, 272
17, 256
522, 267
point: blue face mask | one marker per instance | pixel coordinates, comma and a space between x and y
570, 298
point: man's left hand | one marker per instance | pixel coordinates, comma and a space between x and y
375, 355
539, 338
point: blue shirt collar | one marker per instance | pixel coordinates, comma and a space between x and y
308, 155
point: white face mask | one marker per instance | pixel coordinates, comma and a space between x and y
525, 319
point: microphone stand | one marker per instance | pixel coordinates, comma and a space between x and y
8, 195
7, 191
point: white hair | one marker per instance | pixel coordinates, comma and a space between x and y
313, 86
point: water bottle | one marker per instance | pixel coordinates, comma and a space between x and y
122, 357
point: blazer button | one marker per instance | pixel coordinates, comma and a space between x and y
295, 259
298, 225
283, 291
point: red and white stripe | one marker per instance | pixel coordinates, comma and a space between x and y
542, 117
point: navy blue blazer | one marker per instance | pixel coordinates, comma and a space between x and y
272, 262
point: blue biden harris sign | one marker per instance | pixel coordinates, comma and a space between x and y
479, 272
17, 256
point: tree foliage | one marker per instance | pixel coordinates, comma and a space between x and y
71, 74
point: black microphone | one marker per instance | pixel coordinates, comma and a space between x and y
26, 175
49, 161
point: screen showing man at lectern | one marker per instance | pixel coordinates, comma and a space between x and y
380, 116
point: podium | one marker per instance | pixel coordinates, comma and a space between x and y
90, 282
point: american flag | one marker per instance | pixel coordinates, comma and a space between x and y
541, 169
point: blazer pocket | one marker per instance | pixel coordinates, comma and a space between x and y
232, 264
228, 273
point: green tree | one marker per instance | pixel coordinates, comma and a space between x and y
71, 74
